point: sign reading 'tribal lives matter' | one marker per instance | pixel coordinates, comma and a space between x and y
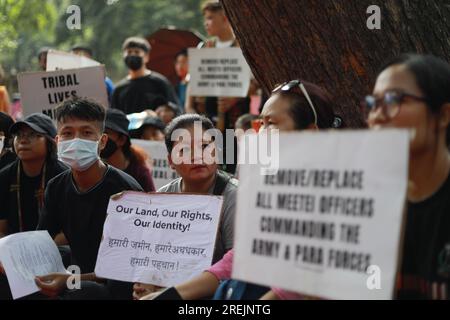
328, 223
42, 92
161, 239
161, 171
218, 72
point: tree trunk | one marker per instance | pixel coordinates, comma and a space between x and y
329, 43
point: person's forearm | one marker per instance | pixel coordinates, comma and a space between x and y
91, 277
200, 287
61, 240
270, 295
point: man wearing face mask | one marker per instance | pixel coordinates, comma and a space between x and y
121, 154
142, 87
76, 201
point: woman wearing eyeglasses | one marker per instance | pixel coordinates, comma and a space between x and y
294, 105
413, 91
22, 183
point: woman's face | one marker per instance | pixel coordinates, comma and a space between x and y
276, 114
413, 113
193, 158
30, 145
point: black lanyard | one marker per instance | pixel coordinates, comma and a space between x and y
39, 194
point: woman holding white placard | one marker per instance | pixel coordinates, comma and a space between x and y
294, 105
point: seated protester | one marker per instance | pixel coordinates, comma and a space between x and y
22, 182
76, 201
6, 154
167, 112
121, 154
413, 92
200, 178
152, 129
293, 106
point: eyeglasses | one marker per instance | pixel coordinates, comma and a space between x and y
390, 103
288, 86
29, 136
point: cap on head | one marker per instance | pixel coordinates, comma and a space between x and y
117, 120
38, 122
154, 122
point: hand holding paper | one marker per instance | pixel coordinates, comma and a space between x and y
52, 284
26, 255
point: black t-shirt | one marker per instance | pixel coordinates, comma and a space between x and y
81, 215
147, 92
7, 158
29, 195
425, 272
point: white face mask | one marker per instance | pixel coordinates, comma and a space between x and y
2, 143
79, 154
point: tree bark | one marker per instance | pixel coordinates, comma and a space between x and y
328, 42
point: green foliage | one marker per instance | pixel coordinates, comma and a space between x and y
27, 25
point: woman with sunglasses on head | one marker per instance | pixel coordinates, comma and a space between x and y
294, 105
413, 91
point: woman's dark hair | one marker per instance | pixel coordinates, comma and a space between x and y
82, 109
301, 111
5, 124
432, 77
134, 153
183, 122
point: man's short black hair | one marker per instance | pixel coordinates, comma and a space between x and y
183, 122
82, 47
212, 6
182, 52
136, 42
82, 109
43, 50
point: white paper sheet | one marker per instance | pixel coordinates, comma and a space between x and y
26, 255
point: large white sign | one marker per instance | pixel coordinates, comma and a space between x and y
59, 60
328, 223
218, 72
26, 255
161, 239
161, 171
42, 92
